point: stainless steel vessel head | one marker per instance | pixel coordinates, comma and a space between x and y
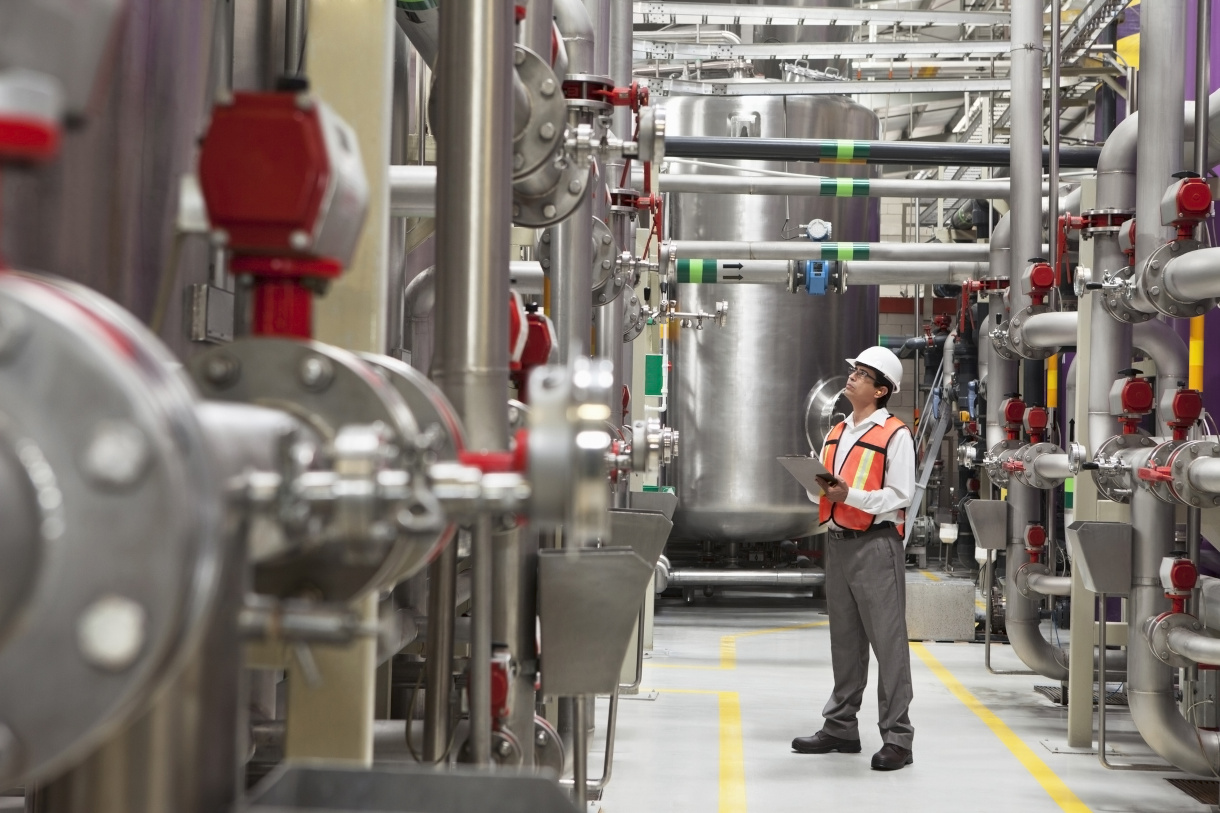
741, 391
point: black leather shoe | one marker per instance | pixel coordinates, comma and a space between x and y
892, 758
823, 743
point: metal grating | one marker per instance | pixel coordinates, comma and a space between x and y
1204, 791
1055, 694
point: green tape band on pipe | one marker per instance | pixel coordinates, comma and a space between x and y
844, 188
697, 271
844, 251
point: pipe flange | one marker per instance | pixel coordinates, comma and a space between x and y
1001, 342
1179, 466
548, 746
120, 552
588, 93
1157, 630
634, 318
542, 135
327, 388
652, 134
1103, 221
551, 194
996, 457
1026, 455
1153, 281
1114, 482
568, 442
1161, 457
1116, 297
1018, 343
1022, 579
609, 276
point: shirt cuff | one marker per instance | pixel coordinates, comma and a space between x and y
855, 497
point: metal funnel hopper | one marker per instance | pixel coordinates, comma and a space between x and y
588, 599
664, 501
989, 520
645, 531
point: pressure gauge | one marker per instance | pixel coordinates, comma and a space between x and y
1083, 277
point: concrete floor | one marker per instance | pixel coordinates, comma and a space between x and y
733, 679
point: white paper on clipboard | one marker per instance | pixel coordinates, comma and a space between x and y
806, 470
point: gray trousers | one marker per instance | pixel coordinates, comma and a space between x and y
866, 601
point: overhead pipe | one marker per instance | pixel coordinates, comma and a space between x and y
474, 201
912, 153
1150, 683
896, 272
998, 189
806, 250
1026, 144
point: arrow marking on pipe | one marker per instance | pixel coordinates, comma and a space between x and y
738, 266
733, 276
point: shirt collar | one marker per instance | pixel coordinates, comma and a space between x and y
878, 417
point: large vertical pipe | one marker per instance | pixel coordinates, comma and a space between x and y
537, 27
1026, 155
474, 199
1150, 689
1052, 221
480, 642
294, 36
1159, 153
1021, 614
400, 132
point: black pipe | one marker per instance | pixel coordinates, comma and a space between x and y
868, 152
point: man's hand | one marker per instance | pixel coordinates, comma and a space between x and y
836, 489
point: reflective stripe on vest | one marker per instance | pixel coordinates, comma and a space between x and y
864, 469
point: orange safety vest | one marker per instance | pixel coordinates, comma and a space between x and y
864, 468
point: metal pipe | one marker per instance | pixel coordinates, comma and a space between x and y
1209, 602
576, 31
580, 752
1159, 153
1050, 585
871, 152
474, 197
537, 27
413, 191
526, 277
1194, 275
835, 187
1202, 83
1052, 199
805, 250
687, 577
1051, 329
1204, 474
1194, 646
1161, 343
621, 39
1001, 374
1026, 138
423, 28
897, 272
222, 47
479, 696
1053, 466
572, 281
294, 36
1021, 618
1150, 689
400, 133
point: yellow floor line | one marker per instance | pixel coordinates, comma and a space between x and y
728, 646
732, 750
1050, 782
930, 576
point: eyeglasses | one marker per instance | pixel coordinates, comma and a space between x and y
860, 372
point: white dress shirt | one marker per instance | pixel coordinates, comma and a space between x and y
898, 487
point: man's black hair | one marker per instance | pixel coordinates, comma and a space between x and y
881, 381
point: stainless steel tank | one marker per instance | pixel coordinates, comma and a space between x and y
741, 392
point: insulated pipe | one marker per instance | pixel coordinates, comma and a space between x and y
835, 187
1021, 614
872, 152
474, 201
1026, 144
806, 250
896, 272
1150, 683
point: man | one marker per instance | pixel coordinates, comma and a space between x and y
872, 458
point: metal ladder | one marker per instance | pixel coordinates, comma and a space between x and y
928, 439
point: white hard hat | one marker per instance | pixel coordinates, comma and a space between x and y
882, 359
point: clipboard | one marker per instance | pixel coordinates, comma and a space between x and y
806, 470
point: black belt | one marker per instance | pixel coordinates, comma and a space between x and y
877, 528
